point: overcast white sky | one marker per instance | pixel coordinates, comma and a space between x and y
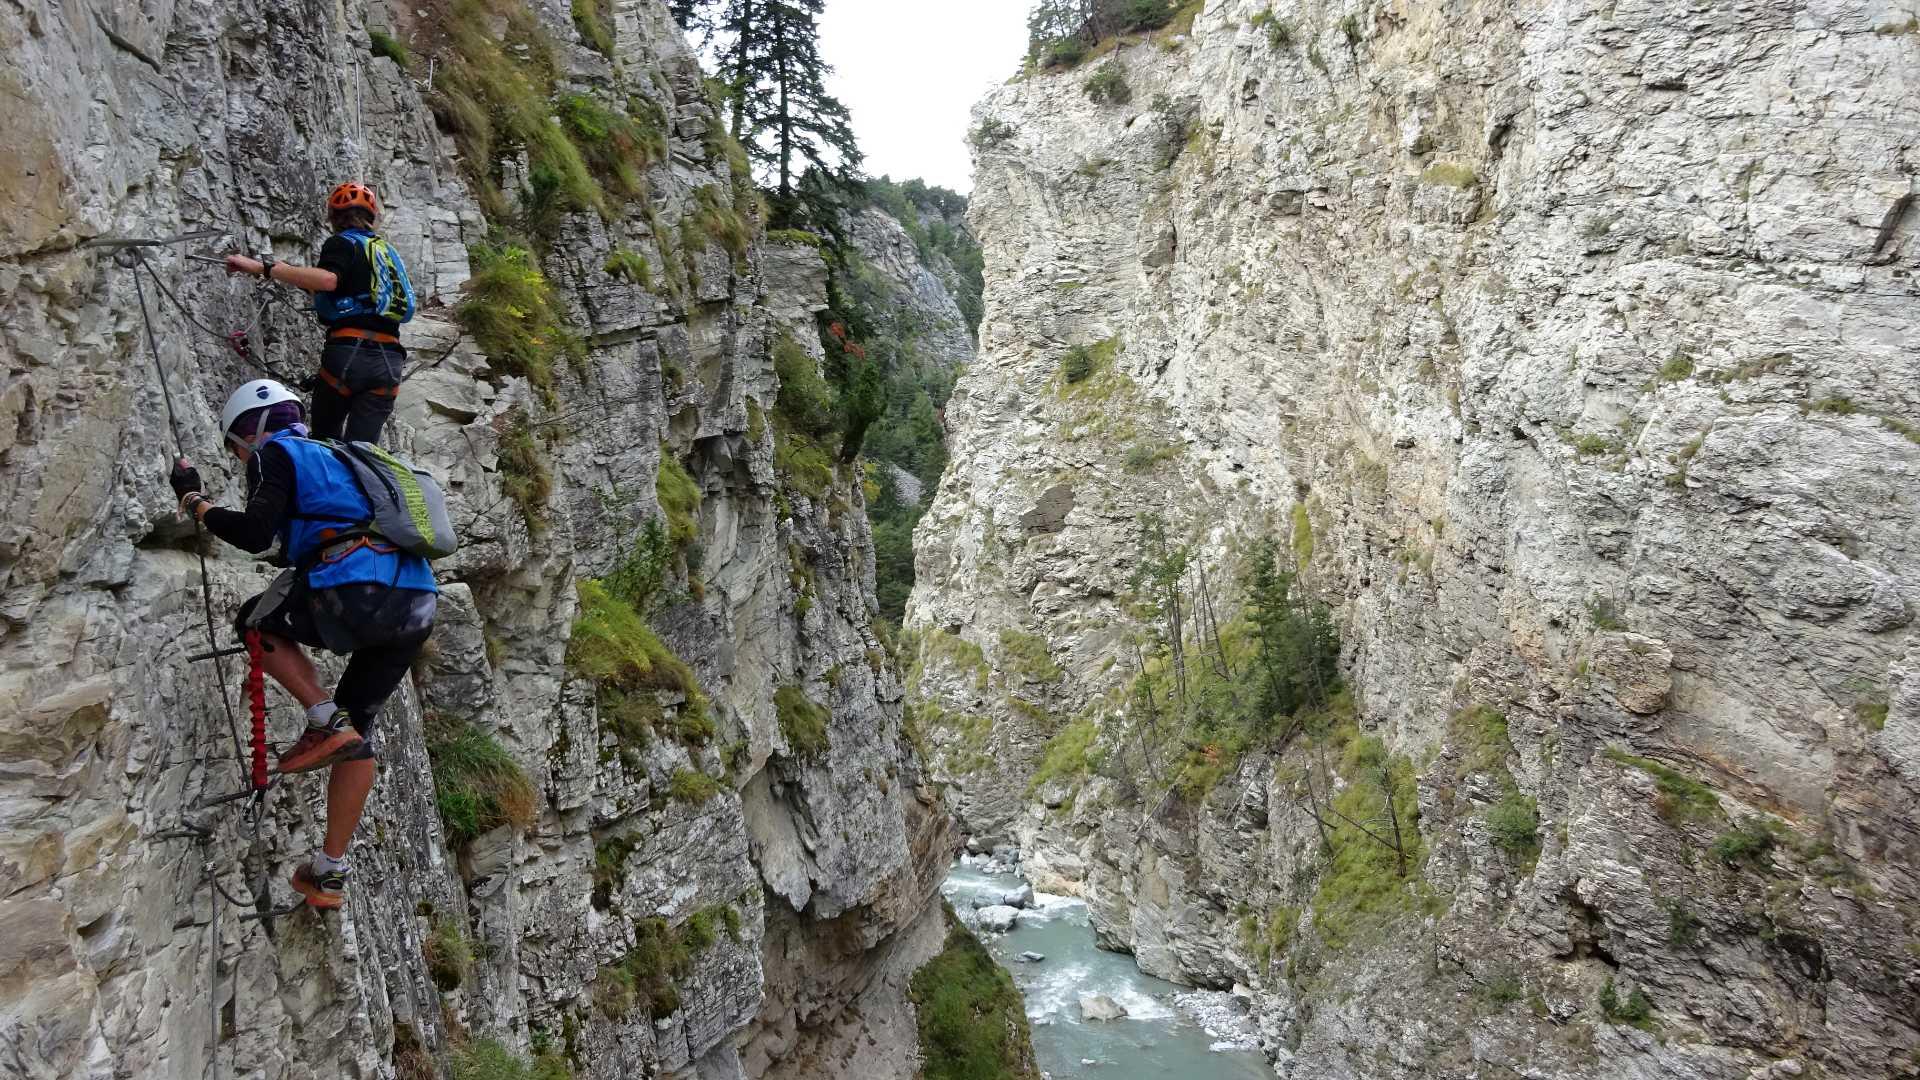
910, 72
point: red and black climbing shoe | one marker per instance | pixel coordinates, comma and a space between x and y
319, 747
328, 890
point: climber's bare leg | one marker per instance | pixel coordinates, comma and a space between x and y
347, 788
290, 667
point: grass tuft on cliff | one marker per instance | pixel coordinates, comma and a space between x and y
488, 1059
613, 645
591, 25
381, 43
524, 476
1027, 656
1678, 798
972, 1019
478, 786
805, 413
631, 267
647, 976
510, 311
802, 722
494, 89
679, 498
1372, 875
448, 953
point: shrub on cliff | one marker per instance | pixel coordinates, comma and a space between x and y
1060, 33
1108, 85
1077, 364
1748, 844
805, 401
1514, 823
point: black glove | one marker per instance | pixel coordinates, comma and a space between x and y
184, 478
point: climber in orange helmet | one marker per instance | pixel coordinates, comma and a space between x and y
361, 295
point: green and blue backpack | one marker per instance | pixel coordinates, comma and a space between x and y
391, 295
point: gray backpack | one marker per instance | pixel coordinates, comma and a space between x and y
409, 509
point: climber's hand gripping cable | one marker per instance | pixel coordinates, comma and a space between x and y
310, 278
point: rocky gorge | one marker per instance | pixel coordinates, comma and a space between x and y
646, 807
1566, 354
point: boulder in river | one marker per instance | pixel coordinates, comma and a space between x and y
1021, 897
1032, 957
1100, 1007
998, 919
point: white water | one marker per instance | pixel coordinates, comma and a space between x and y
1160, 1037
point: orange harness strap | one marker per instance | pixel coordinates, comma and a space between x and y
343, 390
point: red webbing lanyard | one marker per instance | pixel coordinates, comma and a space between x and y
257, 701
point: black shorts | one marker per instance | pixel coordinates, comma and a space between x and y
382, 629
348, 618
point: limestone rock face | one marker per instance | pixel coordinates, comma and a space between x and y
1570, 352
813, 876
922, 285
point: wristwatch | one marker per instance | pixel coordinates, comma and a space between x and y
267, 262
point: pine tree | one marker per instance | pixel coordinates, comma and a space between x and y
1059, 32
767, 54
1299, 652
1052, 21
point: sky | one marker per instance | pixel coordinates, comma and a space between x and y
910, 72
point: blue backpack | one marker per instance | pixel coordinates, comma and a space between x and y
391, 296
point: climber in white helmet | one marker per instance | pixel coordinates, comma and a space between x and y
347, 592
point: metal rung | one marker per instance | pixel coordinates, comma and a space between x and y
233, 650
221, 800
273, 913
127, 242
186, 832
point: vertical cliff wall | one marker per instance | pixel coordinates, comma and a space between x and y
727, 896
1570, 350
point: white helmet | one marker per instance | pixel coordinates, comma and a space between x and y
258, 394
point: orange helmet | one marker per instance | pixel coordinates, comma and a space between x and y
351, 194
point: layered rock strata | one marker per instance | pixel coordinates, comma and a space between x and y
1571, 351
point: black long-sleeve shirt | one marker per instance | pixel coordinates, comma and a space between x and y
270, 478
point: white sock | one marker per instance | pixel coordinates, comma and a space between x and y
318, 715
327, 864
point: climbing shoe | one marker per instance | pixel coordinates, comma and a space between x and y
328, 890
319, 747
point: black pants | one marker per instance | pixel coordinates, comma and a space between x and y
358, 384
387, 626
